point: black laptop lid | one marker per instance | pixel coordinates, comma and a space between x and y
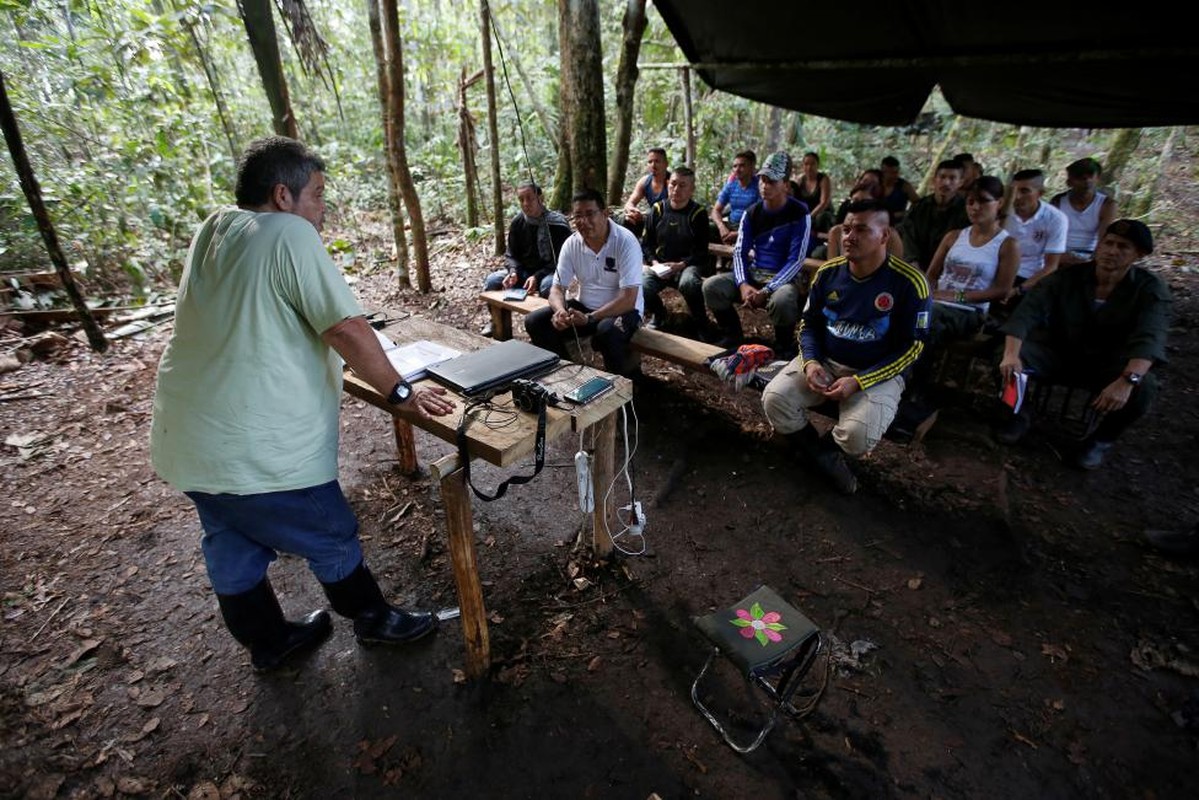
494, 366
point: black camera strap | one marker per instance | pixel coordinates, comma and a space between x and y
464, 454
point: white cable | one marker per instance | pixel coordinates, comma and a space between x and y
634, 527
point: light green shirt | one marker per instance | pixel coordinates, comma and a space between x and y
248, 394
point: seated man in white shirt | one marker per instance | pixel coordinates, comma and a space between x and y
606, 258
1039, 228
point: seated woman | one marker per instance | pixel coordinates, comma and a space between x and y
816, 192
864, 191
972, 266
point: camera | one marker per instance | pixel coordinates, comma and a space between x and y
531, 396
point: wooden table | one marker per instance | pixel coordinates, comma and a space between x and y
503, 447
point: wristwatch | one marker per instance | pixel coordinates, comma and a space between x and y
1133, 377
401, 393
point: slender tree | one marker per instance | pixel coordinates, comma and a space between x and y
394, 47
399, 235
260, 28
493, 130
466, 145
33, 195
626, 82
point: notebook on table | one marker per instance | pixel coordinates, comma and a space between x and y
493, 367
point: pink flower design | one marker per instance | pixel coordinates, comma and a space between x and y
758, 624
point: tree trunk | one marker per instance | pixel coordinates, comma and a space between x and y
395, 116
626, 83
688, 116
260, 28
33, 195
466, 144
563, 175
215, 89
1163, 166
774, 128
583, 93
547, 124
493, 128
399, 235
1118, 155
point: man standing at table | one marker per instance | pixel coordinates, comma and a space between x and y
606, 258
246, 408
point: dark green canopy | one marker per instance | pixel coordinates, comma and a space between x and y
1051, 64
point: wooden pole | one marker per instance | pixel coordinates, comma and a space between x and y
33, 196
603, 465
455, 495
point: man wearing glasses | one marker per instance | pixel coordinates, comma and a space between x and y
606, 260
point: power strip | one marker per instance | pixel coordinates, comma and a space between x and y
583, 476
638, 522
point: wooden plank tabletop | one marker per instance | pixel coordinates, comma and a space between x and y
512, 434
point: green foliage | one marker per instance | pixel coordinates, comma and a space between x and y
117, 104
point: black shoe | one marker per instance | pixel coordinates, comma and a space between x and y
392, 625
785, 346
1175, 543
828, 458
1012, 431
256, 621
834, 466
376, 621
1092, 453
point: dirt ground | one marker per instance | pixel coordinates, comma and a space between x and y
998, 627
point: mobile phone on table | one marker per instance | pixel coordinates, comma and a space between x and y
516, 293
589, 390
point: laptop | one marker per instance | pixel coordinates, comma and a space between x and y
493, 367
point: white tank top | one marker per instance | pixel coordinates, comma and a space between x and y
1083, 233
969, 268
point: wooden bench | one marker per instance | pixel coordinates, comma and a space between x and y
687, 353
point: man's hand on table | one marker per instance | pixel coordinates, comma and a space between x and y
429, 401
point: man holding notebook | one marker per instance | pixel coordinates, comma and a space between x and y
606, 259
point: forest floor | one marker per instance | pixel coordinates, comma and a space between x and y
999, 627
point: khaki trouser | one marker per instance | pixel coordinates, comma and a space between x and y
862, 420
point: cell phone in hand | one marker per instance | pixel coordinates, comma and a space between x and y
517, 293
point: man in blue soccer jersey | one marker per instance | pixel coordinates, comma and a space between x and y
861, 330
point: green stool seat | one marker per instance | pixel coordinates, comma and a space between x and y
771, 643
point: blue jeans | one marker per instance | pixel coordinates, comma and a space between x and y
244, 533
495, 282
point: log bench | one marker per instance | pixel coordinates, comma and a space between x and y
687, 353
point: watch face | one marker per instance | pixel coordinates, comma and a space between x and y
400, 393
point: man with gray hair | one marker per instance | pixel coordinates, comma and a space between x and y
247, 401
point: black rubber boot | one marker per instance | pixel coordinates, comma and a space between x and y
358, 597
256, 621
785, 346
729, 323
827, 456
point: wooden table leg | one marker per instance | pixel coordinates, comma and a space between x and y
602, 466
455, 494
501, 323
405, 446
